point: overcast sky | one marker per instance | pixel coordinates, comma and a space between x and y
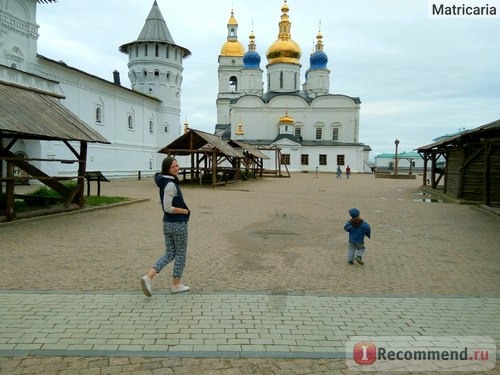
418, 77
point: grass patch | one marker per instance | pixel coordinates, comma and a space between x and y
94, 200
43, 197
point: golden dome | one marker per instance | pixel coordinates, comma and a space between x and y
232, 48
286, 119
284, 50
232, 19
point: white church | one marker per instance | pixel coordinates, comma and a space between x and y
313, 128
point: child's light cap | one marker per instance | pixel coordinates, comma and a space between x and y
354, 212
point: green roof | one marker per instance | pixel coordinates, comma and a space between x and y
411, 155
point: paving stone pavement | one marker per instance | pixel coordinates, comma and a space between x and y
71, 304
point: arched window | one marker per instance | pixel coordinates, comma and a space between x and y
167, 52
136, 50
319, 133
335, 134
233, 84
98, 115
130, 122
145, 49
281, 80
151, 127
157, 48
298, 132
157, 75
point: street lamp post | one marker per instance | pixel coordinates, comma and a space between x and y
396, 142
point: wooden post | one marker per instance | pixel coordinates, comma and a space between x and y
82, 166
396, 142
214, 169
426, 159
445, 187
9, 192
433, 171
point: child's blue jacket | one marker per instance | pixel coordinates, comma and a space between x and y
358, 229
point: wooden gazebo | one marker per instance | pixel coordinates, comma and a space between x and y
253, 158
212, 159
30, 114
472, 164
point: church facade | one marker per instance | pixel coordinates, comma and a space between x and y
137, 121
314, 129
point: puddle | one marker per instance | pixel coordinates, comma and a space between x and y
424, 197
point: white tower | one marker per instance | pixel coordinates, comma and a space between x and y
318, 75
251, 75
230, 66
155, 67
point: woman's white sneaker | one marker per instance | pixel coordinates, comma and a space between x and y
179, 288
146, 285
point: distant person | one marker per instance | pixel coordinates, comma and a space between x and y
347, 172
358, 229
175, 227
339, 172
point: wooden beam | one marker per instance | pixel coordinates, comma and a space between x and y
72, 149
11, 143
37, 173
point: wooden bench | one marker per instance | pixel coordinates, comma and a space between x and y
95, 176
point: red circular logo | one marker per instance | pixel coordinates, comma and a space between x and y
365, 353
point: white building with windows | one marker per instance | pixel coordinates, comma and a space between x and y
138, 121
312, 127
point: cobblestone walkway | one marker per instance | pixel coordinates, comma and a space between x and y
227, 324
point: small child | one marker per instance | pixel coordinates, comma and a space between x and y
358, 229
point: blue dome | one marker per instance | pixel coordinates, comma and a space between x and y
251, 59
318, 60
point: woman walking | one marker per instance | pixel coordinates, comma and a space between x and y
175, 227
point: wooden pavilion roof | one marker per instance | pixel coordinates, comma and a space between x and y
491, 129
31, 114
196, 140
250, 149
